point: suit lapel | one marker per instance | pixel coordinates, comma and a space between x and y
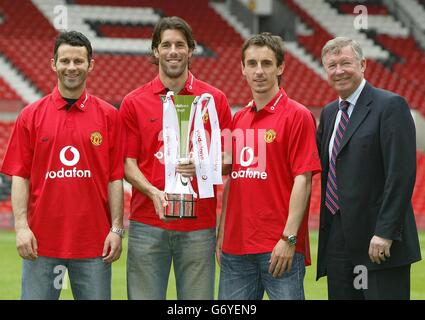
360, 111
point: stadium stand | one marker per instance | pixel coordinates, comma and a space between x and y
395, 60
418, 198
416, 10
6, 92
5, 204
5, 183
389, 68
5, 131
349, 8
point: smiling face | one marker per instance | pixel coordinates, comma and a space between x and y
72, 67
345, 70
173, 54
261, 70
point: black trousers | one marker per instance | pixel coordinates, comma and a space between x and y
385, 284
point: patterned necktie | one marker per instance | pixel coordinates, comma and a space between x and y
331, 199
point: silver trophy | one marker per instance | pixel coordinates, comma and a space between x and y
182, 200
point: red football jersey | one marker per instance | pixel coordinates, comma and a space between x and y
270, 148
142, 112
69, 156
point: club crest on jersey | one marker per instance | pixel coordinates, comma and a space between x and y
163, 98
96, 138
269, 136
205, 117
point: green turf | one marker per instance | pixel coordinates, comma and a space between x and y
10, 274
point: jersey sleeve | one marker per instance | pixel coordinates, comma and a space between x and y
303, 154
131, 128
225, 119
19, 154
225, 116
117, 148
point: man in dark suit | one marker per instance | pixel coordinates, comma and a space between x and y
366, 139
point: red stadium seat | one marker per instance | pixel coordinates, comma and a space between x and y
26, 40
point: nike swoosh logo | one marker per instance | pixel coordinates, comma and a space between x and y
184, 181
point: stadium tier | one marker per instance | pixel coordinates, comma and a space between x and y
400, 71
5, 131
26, 43
396, 62
418, 198
6, 92
349, 8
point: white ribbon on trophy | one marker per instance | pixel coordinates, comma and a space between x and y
207, 162
171, 137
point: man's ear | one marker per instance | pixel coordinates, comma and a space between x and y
243, 69
280, 69
53, 64
91, 65
156, 53
363, 65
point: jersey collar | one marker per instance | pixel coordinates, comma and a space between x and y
188, 89
278, 100
60, 103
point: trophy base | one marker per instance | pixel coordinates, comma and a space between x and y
181, 206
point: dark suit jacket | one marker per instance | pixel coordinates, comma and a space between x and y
375, 170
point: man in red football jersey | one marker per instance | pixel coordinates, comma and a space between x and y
154, 243
65, 157
263, 239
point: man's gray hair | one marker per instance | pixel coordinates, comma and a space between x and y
335, 46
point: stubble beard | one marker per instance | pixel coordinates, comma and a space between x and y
174, 73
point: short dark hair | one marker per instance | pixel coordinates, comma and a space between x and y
275, 43
172, 23
266, 39
75, 39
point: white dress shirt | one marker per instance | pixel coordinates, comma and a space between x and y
352, 99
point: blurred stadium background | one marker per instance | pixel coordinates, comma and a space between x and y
393, 38
120, 31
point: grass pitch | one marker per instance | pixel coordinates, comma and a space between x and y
11, 265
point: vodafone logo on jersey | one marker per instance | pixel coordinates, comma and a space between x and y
69, 156
250, 156
246, 158
75, 159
